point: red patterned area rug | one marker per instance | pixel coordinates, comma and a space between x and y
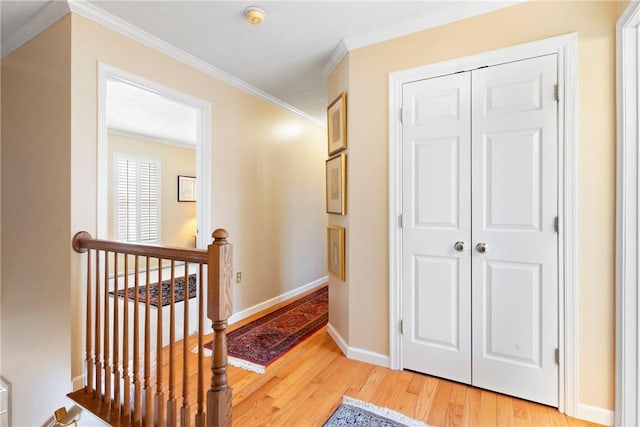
259, 343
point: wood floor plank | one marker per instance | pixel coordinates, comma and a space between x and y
407, 404
298, 378
288, 412
455, 408
315, 410
372, 383
347, 374
521, 412
394, 385
539, 416
259, 399
488, 408
440, 403
471, 410
416, 383
504, 411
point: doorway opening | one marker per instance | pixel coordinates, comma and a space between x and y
154, 144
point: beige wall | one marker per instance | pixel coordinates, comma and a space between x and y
339, 290
267, 172
178, 219
367, 256
36, 252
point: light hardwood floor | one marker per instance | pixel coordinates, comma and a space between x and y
305, 386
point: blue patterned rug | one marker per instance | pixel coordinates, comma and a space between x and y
353, 412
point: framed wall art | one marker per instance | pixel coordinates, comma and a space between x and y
335, 251
337, 124
336, 185
186, 188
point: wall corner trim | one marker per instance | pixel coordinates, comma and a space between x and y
340, 342
90, 11
627, 218
336, 56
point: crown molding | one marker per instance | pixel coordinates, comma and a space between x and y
425, 22
46, 16
336, 56
407, 27
118, 25
55, 10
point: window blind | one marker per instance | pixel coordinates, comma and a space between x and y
137, 198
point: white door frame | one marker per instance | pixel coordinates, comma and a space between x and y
628, 218
203, 147
566, 47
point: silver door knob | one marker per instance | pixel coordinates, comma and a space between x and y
482, 247
459, 246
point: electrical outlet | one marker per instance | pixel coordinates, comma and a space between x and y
239, 277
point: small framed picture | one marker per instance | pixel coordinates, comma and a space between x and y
337, 124
186, 188
336, 185
335, 251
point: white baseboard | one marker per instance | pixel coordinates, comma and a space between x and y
369, 357
243, 314
358, 354
337, 338
78, 382
595, 414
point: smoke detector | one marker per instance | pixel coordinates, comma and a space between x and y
254, 15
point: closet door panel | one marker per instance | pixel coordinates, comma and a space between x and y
514, 206
436, 214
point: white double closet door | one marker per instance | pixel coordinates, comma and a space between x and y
479, 240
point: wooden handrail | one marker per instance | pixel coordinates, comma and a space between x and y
110, 381
83, 241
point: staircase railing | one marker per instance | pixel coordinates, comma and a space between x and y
126, 302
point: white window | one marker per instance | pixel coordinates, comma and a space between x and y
136, 198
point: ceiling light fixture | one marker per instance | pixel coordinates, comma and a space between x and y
254, 14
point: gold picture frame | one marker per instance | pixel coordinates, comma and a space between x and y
336, 184
335, 251
337, 124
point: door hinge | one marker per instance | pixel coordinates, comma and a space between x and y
400, 220
557, 356
556, 92
401, 115
556, 224
401, 327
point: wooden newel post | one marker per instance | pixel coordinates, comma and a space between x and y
219, 309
